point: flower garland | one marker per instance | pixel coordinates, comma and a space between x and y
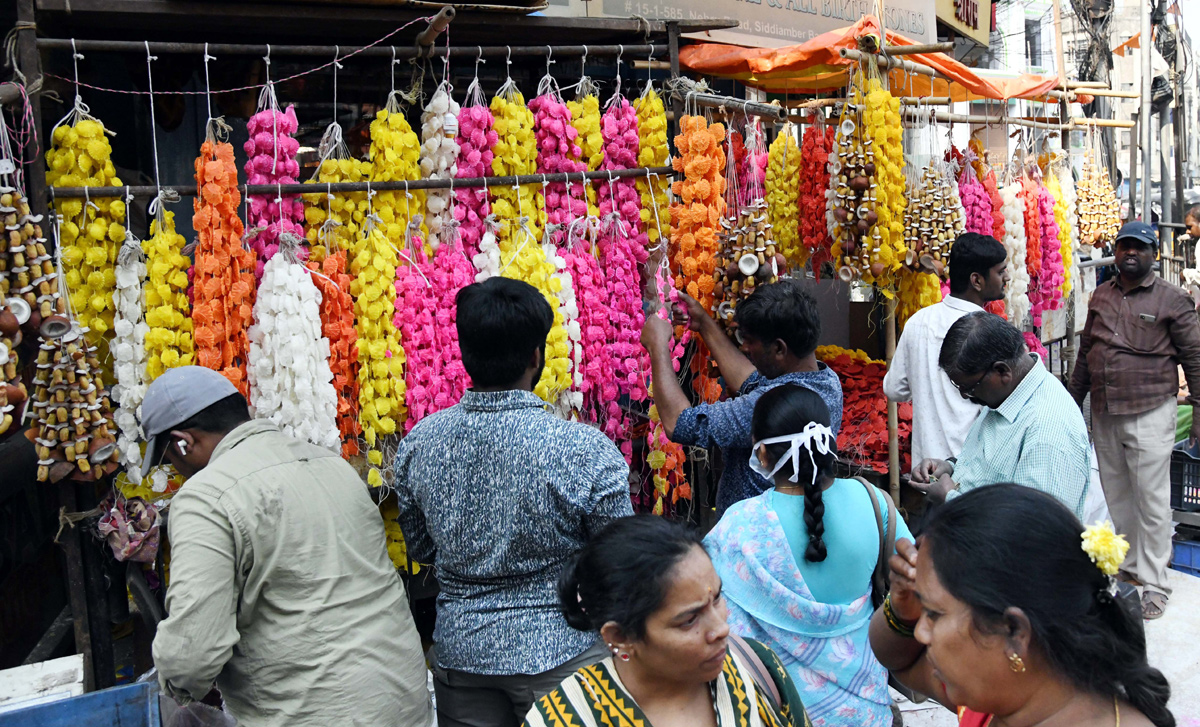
623, 249
697, 214
476, 137
381, 358
917, 289
337, 326
1063, 225
653, 151
783, 198
91, 232
585, 117
1030, 195
1104, 547
395, 154
976, 202
570, 399
1035, 346
752, 163
595, 363
129, 353
415, 319
222, 308
290, 380
1048, 284
863, 439
515, 153
815, 154
439, 154
1016, 295
666, 458
271, 152
335, 220
558, 152
169, 341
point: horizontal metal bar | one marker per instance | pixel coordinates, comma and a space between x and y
347, 187
401, 51
1096, 263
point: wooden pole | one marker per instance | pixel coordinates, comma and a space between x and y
893, 414
69, 539
30, 61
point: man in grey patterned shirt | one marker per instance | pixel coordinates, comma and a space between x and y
498, 493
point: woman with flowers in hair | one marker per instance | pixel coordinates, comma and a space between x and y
1007, 611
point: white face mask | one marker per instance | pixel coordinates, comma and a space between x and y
814, 435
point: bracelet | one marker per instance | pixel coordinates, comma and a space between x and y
893, 621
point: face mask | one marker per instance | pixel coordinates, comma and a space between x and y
814, 435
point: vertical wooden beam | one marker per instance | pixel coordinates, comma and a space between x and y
893, 413
76, 590
95, 582
31, 66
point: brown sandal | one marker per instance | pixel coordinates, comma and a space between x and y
1154, 605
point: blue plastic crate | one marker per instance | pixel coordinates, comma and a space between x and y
1186, 557
133, 705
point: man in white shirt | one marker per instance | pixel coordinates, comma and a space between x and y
941, 416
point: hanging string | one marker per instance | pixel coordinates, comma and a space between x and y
156, 206
336, 66
257, 86
207, 85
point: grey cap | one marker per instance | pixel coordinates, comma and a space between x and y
176, 396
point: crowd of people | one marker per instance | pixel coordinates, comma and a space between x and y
560, 607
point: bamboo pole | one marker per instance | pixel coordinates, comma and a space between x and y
890, 62
908, 50
1109, 123
893, 413
711, 100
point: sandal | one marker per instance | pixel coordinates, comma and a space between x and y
1154, 604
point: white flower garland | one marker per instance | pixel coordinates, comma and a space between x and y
1016, 295
439, 153
290, 380
129, 353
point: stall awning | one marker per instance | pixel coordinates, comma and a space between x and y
815, 66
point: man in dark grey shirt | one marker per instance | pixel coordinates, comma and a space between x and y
498, 493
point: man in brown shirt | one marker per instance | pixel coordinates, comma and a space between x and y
1139, 329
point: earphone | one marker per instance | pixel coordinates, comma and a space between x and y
182, 447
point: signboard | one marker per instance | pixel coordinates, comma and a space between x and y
971, 18
778, 23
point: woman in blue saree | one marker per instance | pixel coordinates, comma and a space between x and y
797, 562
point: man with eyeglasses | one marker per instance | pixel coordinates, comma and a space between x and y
1030, 431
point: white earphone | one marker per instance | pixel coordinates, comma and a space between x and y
182, 447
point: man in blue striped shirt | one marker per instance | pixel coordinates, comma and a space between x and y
1030, 432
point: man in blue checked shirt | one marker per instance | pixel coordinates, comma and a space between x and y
498, 493
778, 327
1030, 431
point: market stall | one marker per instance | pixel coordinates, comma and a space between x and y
335, 198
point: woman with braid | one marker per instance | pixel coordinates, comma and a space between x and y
797, 560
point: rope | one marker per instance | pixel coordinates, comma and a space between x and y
254, 87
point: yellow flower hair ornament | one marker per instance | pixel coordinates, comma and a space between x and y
1105, 548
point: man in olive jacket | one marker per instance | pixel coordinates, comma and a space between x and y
281, 589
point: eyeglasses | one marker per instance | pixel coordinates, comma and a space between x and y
970, 393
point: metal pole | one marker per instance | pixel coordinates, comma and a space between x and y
676, 104
1133, 162
893, 412
1166, 233
1177, 122
1147, 138
383, 51
272, 190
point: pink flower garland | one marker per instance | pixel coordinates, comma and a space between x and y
558, 152
476, 137
272, 160
752, 172
596, 370
1046, 292
622, 250
976, 203
1035, 346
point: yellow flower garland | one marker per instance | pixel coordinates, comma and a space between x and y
653, 151
783, 196
349, 209
515, 153
169, 340
917, 289
882, 117
91, 234
585, 117
1064, 229
395, 156
381, 357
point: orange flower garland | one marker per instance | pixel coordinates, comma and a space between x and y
224, 282
337, 325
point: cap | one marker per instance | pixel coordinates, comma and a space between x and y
1139, 231
176, 396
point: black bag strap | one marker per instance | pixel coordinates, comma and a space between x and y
887, 541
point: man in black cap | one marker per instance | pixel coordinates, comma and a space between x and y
1139, 330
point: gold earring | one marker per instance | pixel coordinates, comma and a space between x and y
1016, 663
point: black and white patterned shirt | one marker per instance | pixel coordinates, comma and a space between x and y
498, 493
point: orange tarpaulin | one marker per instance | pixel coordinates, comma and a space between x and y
816, 66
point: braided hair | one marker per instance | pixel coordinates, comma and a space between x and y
785, 410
